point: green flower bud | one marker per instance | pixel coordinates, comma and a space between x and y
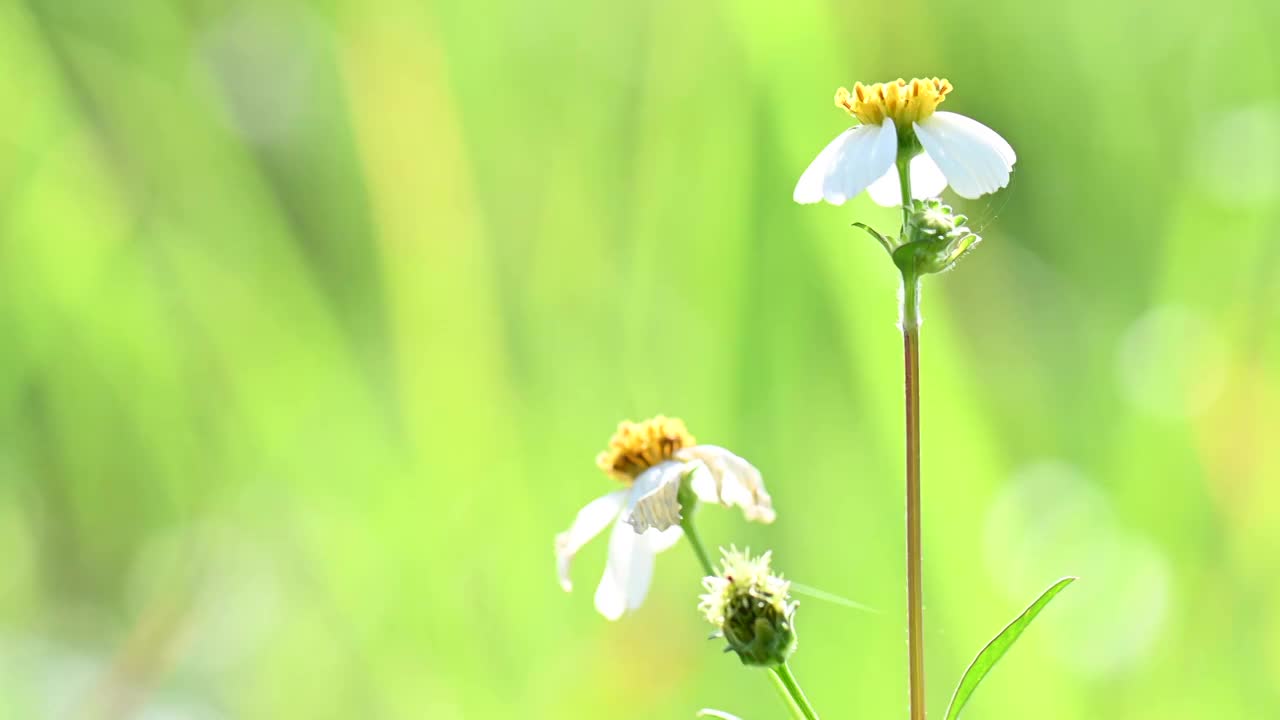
936, 239
752, 609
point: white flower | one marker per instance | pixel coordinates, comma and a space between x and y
957, 151
655, 456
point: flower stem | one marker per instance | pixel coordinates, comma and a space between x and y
800, 706
915, 594
786, 695
904, 181
695, 542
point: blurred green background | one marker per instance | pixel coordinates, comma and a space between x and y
314, 317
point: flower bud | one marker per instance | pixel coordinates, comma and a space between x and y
935, 239
752, 609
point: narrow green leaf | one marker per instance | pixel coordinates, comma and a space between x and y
998, 646
819, 594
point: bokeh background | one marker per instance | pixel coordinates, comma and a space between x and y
314, 317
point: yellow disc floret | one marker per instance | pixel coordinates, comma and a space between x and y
636, 447
905, 102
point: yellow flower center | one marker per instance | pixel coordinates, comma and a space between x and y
905, 102
636, 447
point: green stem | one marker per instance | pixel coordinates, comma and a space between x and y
785, 693
915, 593
695, 542
904, 182
787, 682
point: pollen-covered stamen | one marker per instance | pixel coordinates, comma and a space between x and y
636, 447
905, 102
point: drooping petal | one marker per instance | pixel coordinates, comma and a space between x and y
662, 540
738, 483
590, 520
703, 482
641, 575
926, 181
627, 574
972, 156
809, 188
863, 158
654, 501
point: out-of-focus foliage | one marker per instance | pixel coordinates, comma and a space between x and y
314, 317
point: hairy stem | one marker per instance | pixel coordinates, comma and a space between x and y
915, 594
904, 182
911, 362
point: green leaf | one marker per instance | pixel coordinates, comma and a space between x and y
998, 646
814, 592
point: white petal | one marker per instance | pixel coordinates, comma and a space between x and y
972, 156
865, 156
926, 181
662, 540
654, 501
703, 483
738, 482
590, 520
809, 188
627, 574
641, 575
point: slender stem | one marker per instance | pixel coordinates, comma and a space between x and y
695, 542
915, 594
786, 695
788, 681
904, 182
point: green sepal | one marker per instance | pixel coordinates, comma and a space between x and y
936, 239
885, 242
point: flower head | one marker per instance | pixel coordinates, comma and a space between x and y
752, 608
636, 447
900, 121
657, 459
904, 103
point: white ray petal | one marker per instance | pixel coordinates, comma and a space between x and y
626, 574
703, 482
809, 188
738, 482
641, 575
654, 501
972, 156
590, 521
662, 540
863, 158
926, 181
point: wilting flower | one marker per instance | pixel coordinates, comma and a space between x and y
752, 608
901, 120
655, 459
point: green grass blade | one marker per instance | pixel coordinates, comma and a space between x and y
823, 595
998, 646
